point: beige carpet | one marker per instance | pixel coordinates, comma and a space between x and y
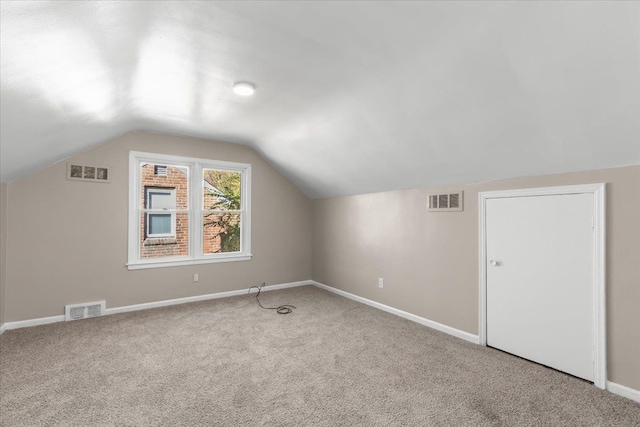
333, 362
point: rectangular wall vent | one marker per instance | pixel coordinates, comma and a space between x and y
88, 173
160, 170
84, 310
449, 202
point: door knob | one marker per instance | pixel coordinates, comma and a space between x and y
493, 262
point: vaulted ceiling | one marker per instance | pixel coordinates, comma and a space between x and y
352, 97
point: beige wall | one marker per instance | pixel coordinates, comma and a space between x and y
3, 247
429, 261
69, 238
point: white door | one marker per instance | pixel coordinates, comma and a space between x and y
540, 283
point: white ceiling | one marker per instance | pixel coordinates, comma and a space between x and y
352, 97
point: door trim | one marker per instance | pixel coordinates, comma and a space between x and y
599, 221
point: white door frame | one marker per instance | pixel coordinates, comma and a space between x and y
599, 319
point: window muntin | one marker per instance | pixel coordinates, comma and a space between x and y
205, 217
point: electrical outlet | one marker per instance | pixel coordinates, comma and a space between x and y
380, 282
196, 278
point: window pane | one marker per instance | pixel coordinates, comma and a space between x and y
164, 235
176, 180
159, 224
221, 189
161, 198
221, 233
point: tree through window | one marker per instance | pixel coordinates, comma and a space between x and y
222, 207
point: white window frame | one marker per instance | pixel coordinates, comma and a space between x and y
159, 211
195, 211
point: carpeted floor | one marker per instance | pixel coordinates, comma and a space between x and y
333, 362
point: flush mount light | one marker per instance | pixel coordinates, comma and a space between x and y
244, 88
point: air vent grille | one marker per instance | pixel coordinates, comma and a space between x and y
160, 170
443, 201
454, 201
88, 173
76, 313
85, 310
449, 202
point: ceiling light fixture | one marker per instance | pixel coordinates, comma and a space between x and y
244, 88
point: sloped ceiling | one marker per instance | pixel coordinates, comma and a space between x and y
352, 97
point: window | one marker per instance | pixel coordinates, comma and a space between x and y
187, 211
160, 224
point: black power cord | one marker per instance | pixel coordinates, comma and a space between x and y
282, 309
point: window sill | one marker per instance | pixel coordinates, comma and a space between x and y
160, 241
140, 265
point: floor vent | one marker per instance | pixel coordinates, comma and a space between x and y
84, 311
450, 202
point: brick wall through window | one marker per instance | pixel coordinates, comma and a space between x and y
177, 245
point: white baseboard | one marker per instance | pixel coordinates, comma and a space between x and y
206, 297
624, 391
33, 322
128, 308
421, 320
2, 329
124, 309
